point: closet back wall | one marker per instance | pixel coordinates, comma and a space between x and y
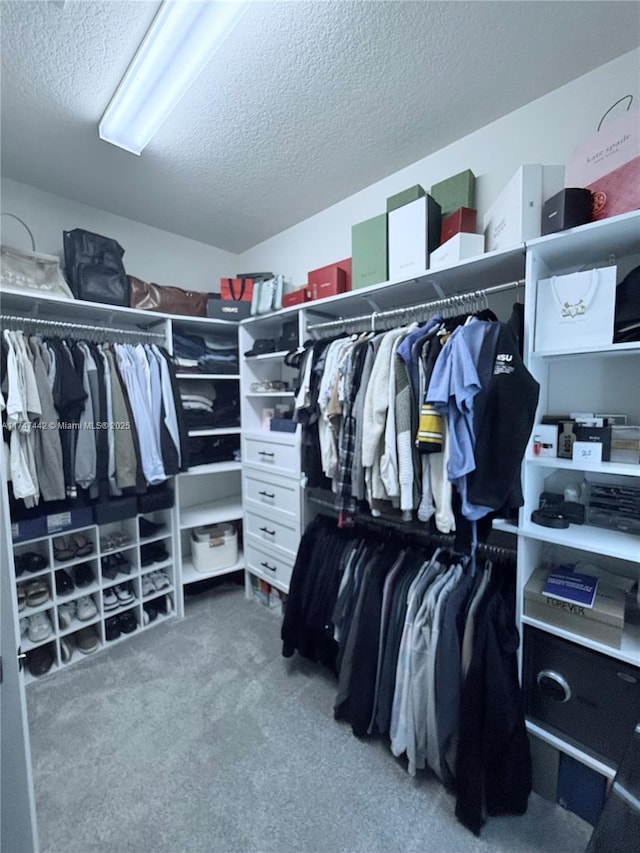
150, 254
544, 131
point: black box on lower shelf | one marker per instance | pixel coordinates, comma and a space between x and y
591, 698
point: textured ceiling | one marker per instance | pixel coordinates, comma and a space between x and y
305, 104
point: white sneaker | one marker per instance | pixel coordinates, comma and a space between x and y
39, 627
148, 585
109, 599
160, 580
66, 612
124, 593
86, 608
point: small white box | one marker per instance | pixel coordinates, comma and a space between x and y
413, 231
545, 440
516, 215
459, 247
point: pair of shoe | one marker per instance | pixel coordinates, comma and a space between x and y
123, 623
154, 582
35, 593
39, 627
162, 605
117, 596
114, 563
86, 640
153, 553
86, 608
64, 584
83, 575
116, 539
29, 562
149, 528
69, 547
40, 660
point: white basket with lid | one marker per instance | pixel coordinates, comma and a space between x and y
214, 547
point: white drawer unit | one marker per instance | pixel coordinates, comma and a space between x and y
272, 567
282, 534
275, 452
269, 494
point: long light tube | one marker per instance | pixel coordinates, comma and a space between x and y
183, 37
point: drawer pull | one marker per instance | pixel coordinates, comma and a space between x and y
267, 566
267, 494
266, 453
266, 530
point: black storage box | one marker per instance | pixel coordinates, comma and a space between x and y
116, 509
566, 209
588, 697
227, 309
155, 499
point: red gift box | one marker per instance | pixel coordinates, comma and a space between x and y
461, 221
302, 294
329, 280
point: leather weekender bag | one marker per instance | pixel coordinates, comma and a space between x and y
168, 300
94, 267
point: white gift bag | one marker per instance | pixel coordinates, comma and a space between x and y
576, 311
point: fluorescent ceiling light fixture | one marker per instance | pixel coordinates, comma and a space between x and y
183, 37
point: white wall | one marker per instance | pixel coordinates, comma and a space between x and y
150, 254
544, 131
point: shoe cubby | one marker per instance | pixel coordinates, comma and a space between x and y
38, 630
40, 661
34, 595
87, 639
78, 613
32, 559
154, 583
157, 608
70, 549
119, 566
154, 526
118, 536
156, 555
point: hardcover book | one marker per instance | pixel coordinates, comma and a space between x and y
573, 587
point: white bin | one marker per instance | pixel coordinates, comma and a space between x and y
214, 547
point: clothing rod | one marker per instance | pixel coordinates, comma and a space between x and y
83, 327
423, 306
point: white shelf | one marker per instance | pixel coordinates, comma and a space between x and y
268, 356
190, 575
629, 650
606, 351
219, 431
212, 468
569, 749
227, 509
270, 394
504, 526
207, 376
584, 537
625, 468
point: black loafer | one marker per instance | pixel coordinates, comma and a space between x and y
84, 575
64, 584
40, 660
127, 622
112, 628
149, 528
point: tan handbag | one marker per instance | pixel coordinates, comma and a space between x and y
32, 271
168, 300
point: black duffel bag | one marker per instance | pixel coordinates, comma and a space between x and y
94, 268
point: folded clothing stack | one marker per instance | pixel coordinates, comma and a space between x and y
210, 405
217, 448
196, 354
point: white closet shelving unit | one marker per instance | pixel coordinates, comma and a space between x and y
594, 379
271, 488
203, 495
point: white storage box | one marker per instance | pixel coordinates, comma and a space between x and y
457, 248
214, 547
516, 215
414, 232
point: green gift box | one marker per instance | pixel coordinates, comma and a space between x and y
369, 253
455, 192
405, 197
